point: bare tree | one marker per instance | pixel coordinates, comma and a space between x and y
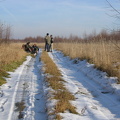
1, 31
5, 33
116, 15
114, 9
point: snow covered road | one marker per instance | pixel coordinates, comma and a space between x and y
94, 100
23, 96
24, 89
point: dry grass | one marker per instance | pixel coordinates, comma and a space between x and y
56, 82
50, 66
58, 117
10, 53
20, 106
105, 55
11, 56
64, 95
63, 106
41, 45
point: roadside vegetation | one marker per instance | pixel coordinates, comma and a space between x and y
102, 51
55, 81
11, 56
20, 106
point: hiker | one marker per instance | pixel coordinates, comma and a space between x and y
35, 48
47, 42
51, 46
27, 47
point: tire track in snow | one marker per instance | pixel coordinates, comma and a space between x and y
15, 91
90, 78
36, 108
104, 99
25, 85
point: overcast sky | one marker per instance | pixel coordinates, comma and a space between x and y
57, 17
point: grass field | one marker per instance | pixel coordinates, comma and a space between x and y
11, 56
105, 55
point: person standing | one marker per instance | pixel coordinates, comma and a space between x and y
51, 46
47, 42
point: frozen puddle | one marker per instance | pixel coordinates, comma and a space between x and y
22, 97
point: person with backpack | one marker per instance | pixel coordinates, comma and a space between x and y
27, 47
35, 48
47, 42
51, 46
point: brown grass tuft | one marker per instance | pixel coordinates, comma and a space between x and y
56, 83
50, 66
20, 106
58, 117
64, 95
63, 106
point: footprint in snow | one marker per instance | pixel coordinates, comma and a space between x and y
94, 107
1, 93
1, 109
2, 102
9, 86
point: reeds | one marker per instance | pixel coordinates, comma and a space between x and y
10, 53
104, 54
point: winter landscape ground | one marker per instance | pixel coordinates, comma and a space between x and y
25, 95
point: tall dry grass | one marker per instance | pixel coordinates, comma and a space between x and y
105, 55
12, 52
11, 55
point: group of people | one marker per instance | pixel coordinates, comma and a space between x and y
30, 49
48, 43
34, 48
